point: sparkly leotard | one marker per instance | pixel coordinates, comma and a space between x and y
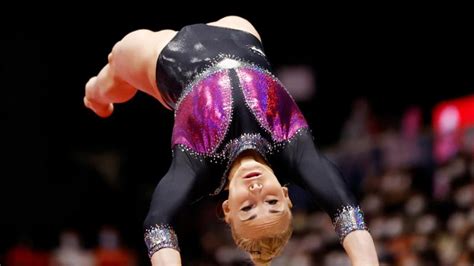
226, 100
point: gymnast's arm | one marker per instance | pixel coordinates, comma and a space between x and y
329, 189
175, 190
131, 67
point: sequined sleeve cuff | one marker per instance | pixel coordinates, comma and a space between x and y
348, 219
160, 236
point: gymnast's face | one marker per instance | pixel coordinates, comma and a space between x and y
258, 205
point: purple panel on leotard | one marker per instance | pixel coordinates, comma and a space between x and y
204, 114
271, 104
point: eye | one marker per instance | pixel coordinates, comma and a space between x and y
272, 202
246, 208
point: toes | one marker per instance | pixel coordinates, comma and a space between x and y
89, 86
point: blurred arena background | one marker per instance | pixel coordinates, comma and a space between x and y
388, 92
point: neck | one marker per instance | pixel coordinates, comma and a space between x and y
246, 156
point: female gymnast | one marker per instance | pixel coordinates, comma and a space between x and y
236, 129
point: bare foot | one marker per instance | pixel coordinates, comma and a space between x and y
101, 109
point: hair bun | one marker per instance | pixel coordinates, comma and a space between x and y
263, 259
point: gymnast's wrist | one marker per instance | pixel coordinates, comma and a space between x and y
160, 236
166, 256
348, 219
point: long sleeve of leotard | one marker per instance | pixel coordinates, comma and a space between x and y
174, 191
327, 185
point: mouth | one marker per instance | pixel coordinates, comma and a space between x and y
252, 175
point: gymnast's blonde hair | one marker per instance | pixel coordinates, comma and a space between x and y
263, 250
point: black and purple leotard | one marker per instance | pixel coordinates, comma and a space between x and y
226, 100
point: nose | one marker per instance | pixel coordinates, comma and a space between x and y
255, 187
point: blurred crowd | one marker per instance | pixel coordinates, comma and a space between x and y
419, 211
71, 251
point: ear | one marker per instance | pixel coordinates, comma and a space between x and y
226, 209
287, 197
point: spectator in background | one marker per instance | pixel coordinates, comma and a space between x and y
110, 251
70, 251
21, 254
